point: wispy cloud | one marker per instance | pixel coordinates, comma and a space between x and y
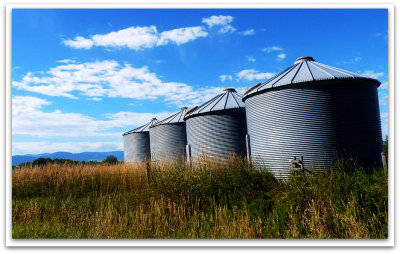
220, 21
101, 79
19, 148
248, 32
225, 77
142, 37
382, 35
66, 61
252, 74
383, 86
250, 59
272, 49
352, 60
276, 49
79, 43
108, 78
281, 56
29, 118
373, 74
138, 38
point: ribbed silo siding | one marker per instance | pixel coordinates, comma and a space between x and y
305, 120
137, 147
168, 141
217, 135
359, 127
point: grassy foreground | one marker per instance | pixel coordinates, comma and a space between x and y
208, 201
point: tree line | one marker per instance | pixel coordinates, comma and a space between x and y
41, 161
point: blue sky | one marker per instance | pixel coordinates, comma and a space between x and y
83, 77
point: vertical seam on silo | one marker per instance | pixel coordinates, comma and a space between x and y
294, 76
323, 70
236, 100
227, 98
218, 101
282, 73
206, 104
310, 71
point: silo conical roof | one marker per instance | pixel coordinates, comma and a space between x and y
305, 69
175, 118
144, 128
229, 99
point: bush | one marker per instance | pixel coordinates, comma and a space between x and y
111, 159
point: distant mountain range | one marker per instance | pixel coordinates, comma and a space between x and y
85, 156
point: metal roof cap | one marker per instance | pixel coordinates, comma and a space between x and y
304, 58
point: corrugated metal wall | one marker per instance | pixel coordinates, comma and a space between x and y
321, 122
217, 133
168, 141
136, 147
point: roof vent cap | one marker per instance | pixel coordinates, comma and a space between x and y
304, 59
230, 89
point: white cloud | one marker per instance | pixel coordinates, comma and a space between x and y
97, 80
142, 37
384, 123
28, 118
79, 43
66, 61
208, 93
220, 21
247, 32
182, 35
251, 74
281, 56
250, 59
271, 49
95, 99
138, 38
225, 77
19, 148
372, 74
104, 79
383, 99
351, 60
383, 86
132, 37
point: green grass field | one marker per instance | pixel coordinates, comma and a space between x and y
207, 201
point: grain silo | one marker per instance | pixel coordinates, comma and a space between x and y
316, 111
168, 138
137, 143
218, 127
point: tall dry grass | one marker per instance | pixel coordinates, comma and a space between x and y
208, 200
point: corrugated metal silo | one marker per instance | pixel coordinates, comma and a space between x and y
316, 111
137, 143
218, 127
168, 138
